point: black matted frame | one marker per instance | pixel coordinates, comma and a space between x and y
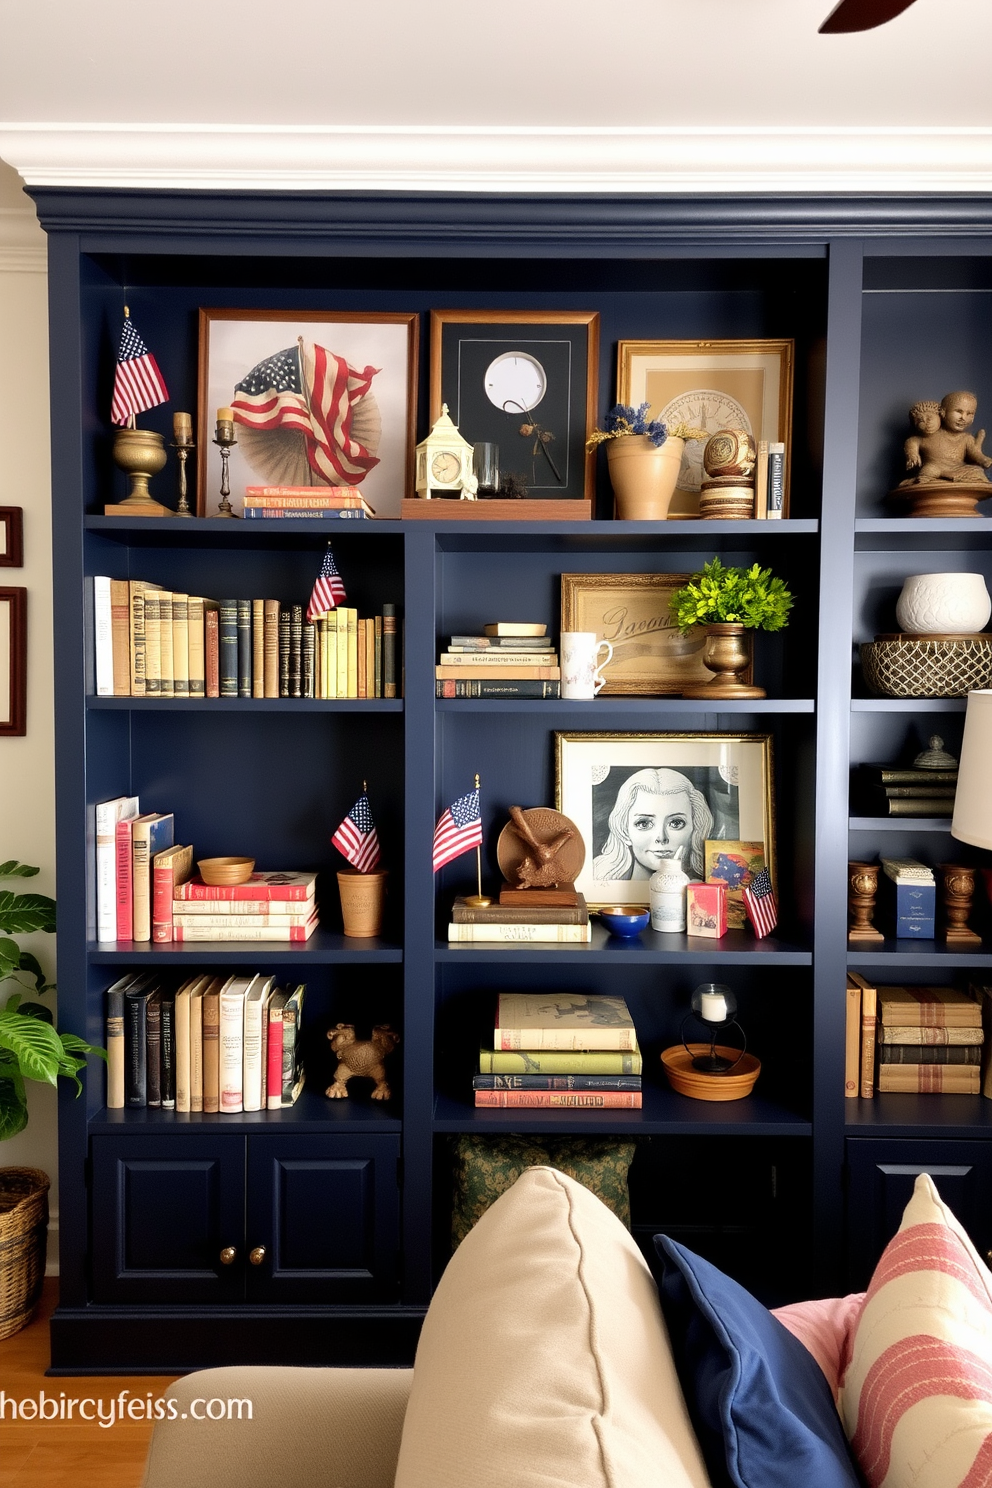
464, 343
14, 662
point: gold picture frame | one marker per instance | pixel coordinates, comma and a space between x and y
651, 658
727, 787
709, 384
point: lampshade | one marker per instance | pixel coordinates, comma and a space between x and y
973, 798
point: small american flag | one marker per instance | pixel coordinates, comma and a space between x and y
759, 901
459, 829
328, 589
138, 384
357, 838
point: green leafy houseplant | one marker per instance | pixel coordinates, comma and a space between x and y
30, 1047
732, 596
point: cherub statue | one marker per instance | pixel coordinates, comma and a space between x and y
942, 449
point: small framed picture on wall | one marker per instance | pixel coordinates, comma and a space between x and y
11, 537
13, 661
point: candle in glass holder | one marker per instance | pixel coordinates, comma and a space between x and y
713, 1007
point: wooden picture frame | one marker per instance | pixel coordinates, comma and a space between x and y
302, 449
720, 787
11, 537
651, 658
13, 661
564, 345
711, 385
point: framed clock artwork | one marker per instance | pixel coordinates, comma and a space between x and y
711, 385
526, 381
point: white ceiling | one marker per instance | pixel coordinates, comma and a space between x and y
654, 94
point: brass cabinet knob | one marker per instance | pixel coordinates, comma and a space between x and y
228, 1255
257, 1256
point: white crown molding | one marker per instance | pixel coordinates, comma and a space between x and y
22, 243
506, 159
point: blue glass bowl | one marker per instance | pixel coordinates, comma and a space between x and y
625, 922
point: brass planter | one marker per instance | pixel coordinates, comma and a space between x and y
727, 654
140, 453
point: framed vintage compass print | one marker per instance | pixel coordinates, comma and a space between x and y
525, 380
711, 385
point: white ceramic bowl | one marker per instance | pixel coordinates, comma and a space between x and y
944, 603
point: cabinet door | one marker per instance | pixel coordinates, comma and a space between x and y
163, 1209
882, 1174
325, 1210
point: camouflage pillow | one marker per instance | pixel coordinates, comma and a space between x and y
485, 1167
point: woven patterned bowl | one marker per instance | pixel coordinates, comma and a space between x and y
927, 666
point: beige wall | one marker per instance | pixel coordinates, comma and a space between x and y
27, 806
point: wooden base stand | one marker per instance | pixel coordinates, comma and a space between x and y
545, 898
138, 509
943, 498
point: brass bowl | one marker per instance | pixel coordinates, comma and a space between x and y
220, 871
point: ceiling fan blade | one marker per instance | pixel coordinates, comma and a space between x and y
862, 15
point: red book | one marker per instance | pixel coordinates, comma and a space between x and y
168, 868
282, 886
211, 652
125, 912
575, 1100
273, 1071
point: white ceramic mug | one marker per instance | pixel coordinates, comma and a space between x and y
581, 664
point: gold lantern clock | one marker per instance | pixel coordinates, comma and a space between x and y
444, 462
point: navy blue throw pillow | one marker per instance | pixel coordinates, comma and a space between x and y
758, 1400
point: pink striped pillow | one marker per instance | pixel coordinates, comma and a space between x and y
917, 1399
826, 1328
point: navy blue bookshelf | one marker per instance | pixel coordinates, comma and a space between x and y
888, 299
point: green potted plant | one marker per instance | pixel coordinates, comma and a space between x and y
729, 601
30, 1049
645, 457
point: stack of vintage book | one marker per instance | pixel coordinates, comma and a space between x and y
523, 917
923, 1040
206, 1045
560, 1049
152, 642
897, 790
323, 503
137, 868
510, 659
267, 906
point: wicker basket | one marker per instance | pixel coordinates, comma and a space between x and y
23, 1234
927, 666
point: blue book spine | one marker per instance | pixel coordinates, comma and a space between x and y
244, 648
916, 909
227, 660
264, 514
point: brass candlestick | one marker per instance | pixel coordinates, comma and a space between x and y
862, 883
225, 441
182, 443
957, 892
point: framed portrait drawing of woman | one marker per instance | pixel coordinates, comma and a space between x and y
642, 799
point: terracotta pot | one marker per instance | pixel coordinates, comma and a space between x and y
644, 476
363, 896
727, 653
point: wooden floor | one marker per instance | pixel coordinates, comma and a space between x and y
67, 1454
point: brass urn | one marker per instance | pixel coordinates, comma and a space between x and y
140, 453
726, 654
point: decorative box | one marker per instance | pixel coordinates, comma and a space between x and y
706, 909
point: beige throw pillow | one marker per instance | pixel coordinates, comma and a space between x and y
544, 1360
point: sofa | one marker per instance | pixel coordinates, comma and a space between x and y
550, 1357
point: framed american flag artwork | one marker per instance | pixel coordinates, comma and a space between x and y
320, 399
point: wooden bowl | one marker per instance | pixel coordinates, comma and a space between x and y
226, 870
688, 1081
